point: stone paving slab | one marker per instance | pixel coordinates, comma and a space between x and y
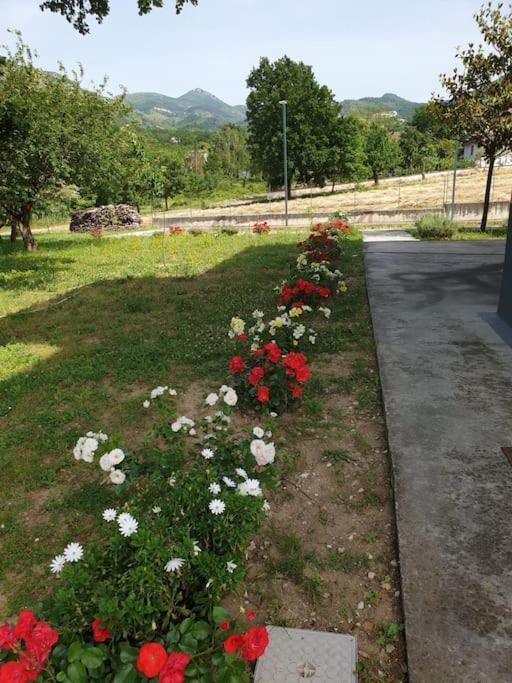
387, 236
296, 655
446, 377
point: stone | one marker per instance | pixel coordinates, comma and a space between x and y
111, 217
296, 654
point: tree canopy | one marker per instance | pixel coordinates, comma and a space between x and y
77, 12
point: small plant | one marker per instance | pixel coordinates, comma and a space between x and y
337, 455
347, 561
175, 230
197, 232
435, 227
261, 228
388, 633
229, 231
96, 234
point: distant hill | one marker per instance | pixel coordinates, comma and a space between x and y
196, 109
375, 105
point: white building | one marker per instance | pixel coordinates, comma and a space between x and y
472, 152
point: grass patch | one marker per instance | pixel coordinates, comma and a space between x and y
347, 561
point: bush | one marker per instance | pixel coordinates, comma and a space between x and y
435, 227
197, 232
229, 231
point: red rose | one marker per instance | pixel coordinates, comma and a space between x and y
234, 643
273, 352
263, 394
250, 615
13, 672
224, 626
40, 642
243, 337
26, 622
302, 374
174, 668
31, 666
236, 365
294, 360
296, 391
256, 375
100, 634
151, 659
255, 643
8, 640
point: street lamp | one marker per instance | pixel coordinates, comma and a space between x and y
283, 104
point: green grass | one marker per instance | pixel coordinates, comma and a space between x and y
492, 233
87, 328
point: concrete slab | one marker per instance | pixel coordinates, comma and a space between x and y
377, 235
294, 655
447, 386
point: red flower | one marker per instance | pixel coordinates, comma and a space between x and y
236, 365
294, 360
224, 626
26, 622
13, 672
234, 643
151, 659
99, 633
296, 391
8, 640
302, 374
31, 666
250, 615
243, 337
41, 641
273, 352
255, 643
174, 669
256, 375
263, 394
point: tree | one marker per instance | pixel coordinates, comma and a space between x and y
382, 151
78, 11
418, 150
480, 94
229, 153
352, 150
54, 133
173, 172
313, 118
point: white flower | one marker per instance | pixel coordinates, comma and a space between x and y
299, 331
231, 566
192, 432
85, 448
230, 397
57, 564
250, 487
223, 389
106, 463
159, 391
146, 404
99, 436
207, 453
174, 565
172, 481
214, 488
128, 525
211, 399
73, 552
173, 392
266, 506
312, 339
237, 327
195, 548
229, 482
257, 314
109, 514
258, 432
117, 477
117, 456
273, 414
264, 454
241, 473
216, 506
176, 426
326, 311
157, 509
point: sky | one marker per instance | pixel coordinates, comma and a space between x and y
356, 47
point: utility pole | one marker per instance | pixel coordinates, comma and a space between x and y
505, 303
283, 104
455, 162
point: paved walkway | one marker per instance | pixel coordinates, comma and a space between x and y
446, 370
376, 235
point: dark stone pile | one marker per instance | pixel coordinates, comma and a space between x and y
105, 218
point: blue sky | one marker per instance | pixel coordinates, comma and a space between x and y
356, 47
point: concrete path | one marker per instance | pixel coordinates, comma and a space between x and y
446, 370
377, 235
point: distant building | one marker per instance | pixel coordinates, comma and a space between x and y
472, 152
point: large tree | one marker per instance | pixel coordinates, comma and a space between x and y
312, 118
53, 133
77, 12
479, 94
383, 153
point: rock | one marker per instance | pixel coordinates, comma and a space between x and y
109, 217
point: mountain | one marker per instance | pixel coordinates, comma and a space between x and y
196, 109
376, 105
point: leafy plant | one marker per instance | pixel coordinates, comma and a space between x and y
435, 227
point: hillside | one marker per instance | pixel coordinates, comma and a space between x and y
196, 109
374, 105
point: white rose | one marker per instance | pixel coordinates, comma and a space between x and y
176, 426
106, 463
258, 432
212, 399
117, 456
230, 397
117, 477
264, 454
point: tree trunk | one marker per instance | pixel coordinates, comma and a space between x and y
166, 204
375, 177
14, 230
26, 231
487, 198
333, 186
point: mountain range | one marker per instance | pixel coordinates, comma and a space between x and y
200, 110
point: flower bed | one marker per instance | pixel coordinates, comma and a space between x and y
261, 228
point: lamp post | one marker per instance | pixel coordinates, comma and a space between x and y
455, 163
283, 104
505, 302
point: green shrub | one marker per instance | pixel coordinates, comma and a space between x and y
229, 231
197, 232
435, 227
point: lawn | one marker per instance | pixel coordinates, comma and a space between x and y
88, 327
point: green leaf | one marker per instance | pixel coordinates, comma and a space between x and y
189, 644
92, 657
186, 624
127, 653
75, 651
201, 630
126, 674
77, 672
220, 615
